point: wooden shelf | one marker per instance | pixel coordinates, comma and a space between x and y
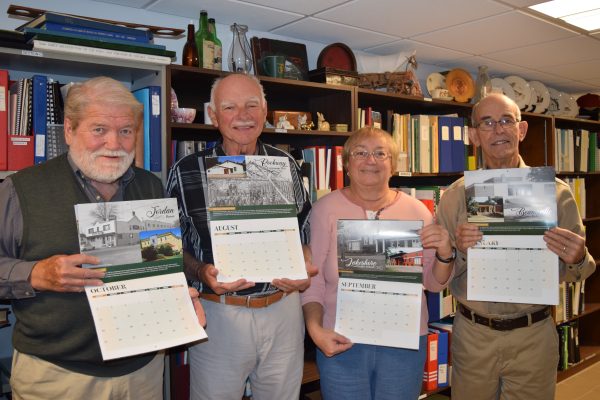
589, 355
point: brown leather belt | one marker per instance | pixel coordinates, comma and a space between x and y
245, 301
506, 324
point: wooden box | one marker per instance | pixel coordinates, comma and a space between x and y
334, 76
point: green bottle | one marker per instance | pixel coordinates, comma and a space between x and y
212, 28
206, 47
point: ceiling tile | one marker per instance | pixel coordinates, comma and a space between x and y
306, 7
522, 3
227, 12
578, 70
406, 18
321, 31
501, 32
128, 3
425, 53
556, 52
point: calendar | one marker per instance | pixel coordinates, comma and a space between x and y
253, 224
380, 287
513, 208
144, 304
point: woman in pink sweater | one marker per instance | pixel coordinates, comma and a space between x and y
358, 371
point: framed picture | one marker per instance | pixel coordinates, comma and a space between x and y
296, 60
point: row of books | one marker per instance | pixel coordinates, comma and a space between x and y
578, 188
571, 301
323, 169
427, 143
31, 118
568, 345
437, 371
31, 110
577, 150
61, 33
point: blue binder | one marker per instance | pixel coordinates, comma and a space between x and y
39, 104
150, 98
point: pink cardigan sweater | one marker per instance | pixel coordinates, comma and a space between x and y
323, 243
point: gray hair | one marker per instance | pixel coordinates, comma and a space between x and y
218, 81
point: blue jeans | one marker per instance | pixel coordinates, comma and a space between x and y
367, 372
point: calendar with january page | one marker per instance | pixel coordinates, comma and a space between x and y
253, 224
513, 208
144, 304
380, 288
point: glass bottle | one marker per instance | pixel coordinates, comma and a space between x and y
206, 47
218, 61
189, 55
240, 54
483, 84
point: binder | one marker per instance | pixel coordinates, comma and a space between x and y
150, 97
458, 144
4, 96
431, 363
442, 376
40, 104
445, 144
20, 152
337, 168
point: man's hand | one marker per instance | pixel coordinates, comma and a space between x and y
62, 273
467, 235
569, 246
434, 236
197, 306
291, 285
208, 274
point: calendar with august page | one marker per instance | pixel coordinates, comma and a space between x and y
380, 288
253, 224
144, 304
513, 208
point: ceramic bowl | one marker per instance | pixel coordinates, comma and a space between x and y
183, 115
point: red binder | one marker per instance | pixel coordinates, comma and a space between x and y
20, 152
430, 378
3, 120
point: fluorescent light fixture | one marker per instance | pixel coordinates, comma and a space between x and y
584, 14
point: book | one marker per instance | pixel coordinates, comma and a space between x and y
55, 47
73, 34
150, 99
4, 119
141, 38
445, 144
144, 303
39, 110
79, 40
443, 377
430, 372
380, 282
117, 31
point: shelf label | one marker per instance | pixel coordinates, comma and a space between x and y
32, 53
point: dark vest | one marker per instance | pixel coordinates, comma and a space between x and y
58, 327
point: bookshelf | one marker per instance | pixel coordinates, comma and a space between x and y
339, 105
74, 68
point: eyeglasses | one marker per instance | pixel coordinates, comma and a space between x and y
362, 155
488, 125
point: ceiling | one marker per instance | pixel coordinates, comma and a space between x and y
504, 35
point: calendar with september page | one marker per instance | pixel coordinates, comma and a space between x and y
253, 224
380, 288
144, 304
513, 208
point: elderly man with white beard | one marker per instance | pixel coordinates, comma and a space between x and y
56, 351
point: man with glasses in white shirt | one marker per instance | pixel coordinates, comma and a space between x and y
506, 350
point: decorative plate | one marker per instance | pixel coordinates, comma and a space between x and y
460, 84
540, 98
499, 84
554, 108
435, 80
572, 107
338, 56
522, 91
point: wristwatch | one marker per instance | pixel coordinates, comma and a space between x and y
449, 259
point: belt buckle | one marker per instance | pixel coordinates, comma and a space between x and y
248, 301
500, 324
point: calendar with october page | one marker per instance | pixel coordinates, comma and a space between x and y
144, 304
253, 225
513, 208
380, 286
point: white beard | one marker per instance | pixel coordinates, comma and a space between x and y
88, 164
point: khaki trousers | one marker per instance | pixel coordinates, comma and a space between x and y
35, 379
510, 365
